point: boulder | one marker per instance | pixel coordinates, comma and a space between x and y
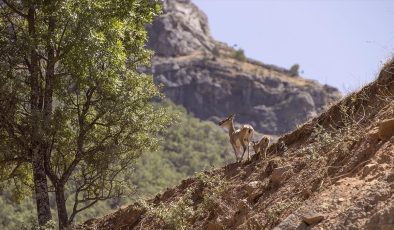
214, 226
312, 217
291, 222
252, 186
369, 168
181, 30
386, 129
278, 174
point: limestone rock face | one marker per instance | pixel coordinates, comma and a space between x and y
204, 76
271, 101
180, 30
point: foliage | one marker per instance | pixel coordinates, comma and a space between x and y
179, 214
73, 103
274, 213
33, 225
239, 55
213, 186
199, 145
294, 70
338, 137
175, 215
190, 146
15, 215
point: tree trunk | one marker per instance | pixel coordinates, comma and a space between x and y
41, 188
37, 150
61, 208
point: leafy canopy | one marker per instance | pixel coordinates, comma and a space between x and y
94, 114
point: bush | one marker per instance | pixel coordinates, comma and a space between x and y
294, 70
239, 55
216, 51
178, 214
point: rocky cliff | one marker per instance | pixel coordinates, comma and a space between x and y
334, 172
212, 81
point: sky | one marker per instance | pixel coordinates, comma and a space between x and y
342, 43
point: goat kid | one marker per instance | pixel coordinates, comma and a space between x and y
261, 146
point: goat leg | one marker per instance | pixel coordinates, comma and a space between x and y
235, 152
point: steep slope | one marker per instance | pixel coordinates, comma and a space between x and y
335, 172
213, 80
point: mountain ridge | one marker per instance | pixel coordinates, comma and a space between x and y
212, 80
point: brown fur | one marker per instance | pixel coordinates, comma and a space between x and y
238, 138
261, 146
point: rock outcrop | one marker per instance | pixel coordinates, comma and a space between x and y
332, 175
206, 77
180, 30
270, 101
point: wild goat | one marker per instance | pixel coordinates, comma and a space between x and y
238, 138
261, 146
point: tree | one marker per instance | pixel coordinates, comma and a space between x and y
73, 105
294, 70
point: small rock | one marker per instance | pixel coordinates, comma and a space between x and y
252, 186
291, 222
387, 227
373, 134
252, 190
253, 196
386, 129
214, 226
324, 205
312, 217
279, 173
306, 193
243, 205
368, 168
341, 199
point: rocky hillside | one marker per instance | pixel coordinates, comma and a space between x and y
334, 172
213, 80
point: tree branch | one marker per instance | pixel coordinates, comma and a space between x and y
58, 49
70, 169
12, 7
18, 160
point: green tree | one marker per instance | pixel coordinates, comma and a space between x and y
294, 70
73, 105
189, 145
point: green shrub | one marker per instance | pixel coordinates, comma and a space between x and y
239, 55
216, 51
180, 213
294, 70
175, 215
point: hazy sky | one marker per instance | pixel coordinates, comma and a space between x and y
338, 42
